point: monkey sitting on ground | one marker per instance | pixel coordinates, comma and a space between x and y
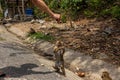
105, 76
59, 51
32, 31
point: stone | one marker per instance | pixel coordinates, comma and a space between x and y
32, 21
42, 65
102, 56
108, 30
8, 25
43, 27
41, 21
13, 79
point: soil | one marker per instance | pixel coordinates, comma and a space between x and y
99, 39
96, 38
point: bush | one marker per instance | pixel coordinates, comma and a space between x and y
87, 8
89, 13
115, 11
91, 8
39, 14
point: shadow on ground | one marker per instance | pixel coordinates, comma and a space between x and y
25, 69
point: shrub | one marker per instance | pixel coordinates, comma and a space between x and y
115, 11
87, 8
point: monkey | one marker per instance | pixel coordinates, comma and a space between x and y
105, 76
31, 31
59, 51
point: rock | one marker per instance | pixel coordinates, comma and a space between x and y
108, 30
95, 49
41, 21
77, 68
13, 79
37, 21
8, 25
43, 27
32, 21
75, 27
94, 76
102, 56
42, 65
57, 75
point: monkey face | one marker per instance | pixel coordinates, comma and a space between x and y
58, 43
105, 74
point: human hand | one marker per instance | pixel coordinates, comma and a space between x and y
57, 17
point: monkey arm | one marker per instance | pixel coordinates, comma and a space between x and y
55, 51
54, 57
63, 50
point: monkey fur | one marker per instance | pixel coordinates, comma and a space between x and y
105, 76
59, 51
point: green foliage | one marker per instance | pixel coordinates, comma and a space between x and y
1, 15
1, 39
89, 13
75, 8
54, 4
115, 11
71, 5
105, 12
63, 18
70, 8
87, 8
38, 13
95, 4
41, 36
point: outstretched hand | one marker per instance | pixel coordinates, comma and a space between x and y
57, 17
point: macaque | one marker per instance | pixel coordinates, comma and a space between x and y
105, 76
32, 31
59, 51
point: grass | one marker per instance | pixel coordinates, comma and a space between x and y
42, 36
1, 39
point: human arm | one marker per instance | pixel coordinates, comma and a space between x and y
42, 6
